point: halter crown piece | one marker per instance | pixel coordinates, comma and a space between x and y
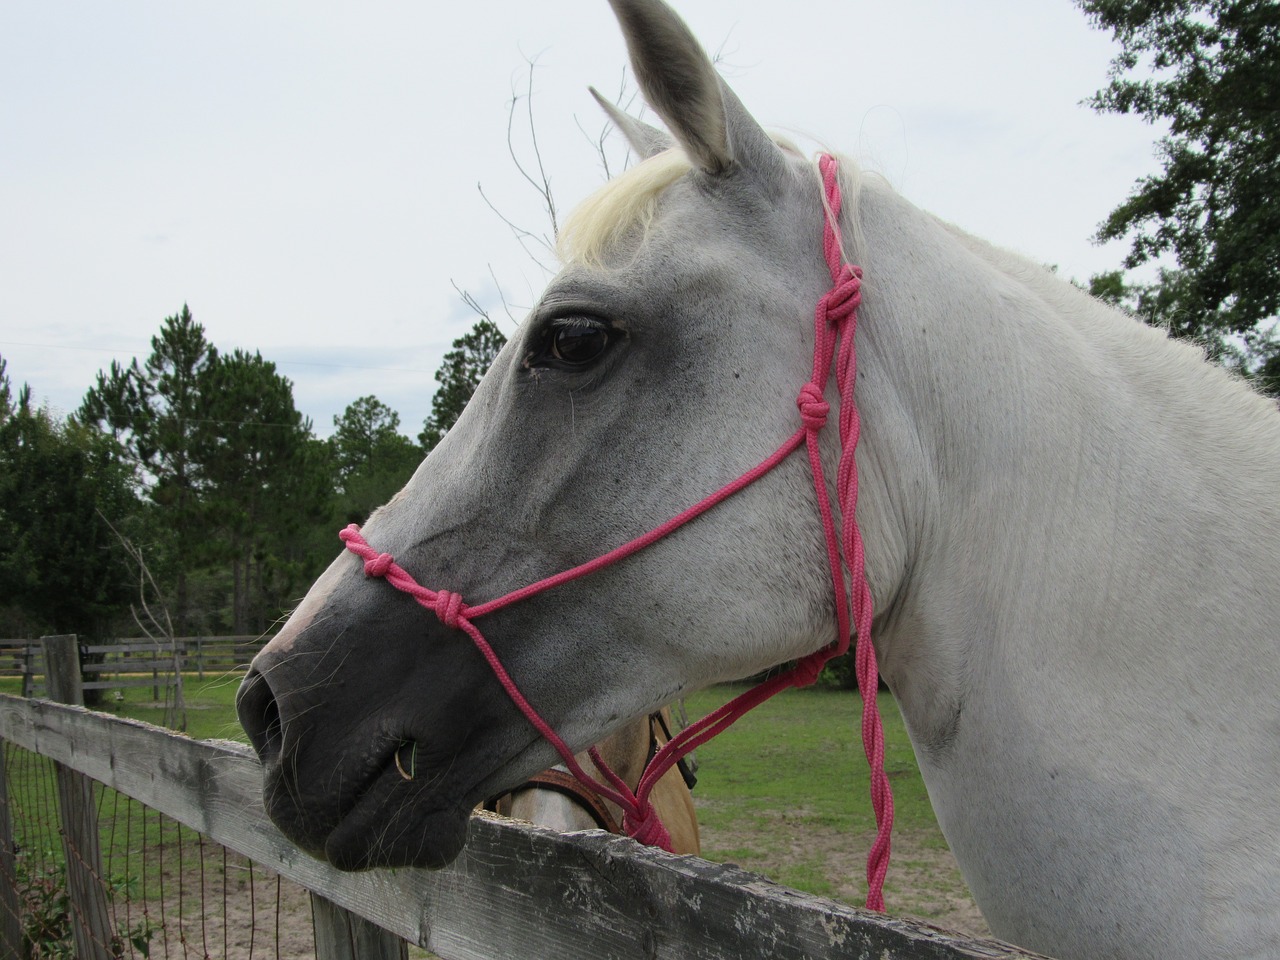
835, 322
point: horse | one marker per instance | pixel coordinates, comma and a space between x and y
556, 799
1070, 527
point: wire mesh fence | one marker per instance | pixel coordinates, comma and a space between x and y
165, 890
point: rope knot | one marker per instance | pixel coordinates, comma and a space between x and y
448, 607
645, 826
805, 673
379, 565
813, 408
845, 296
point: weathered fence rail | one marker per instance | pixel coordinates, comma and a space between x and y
516, 891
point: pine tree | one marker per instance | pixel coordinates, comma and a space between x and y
459, 375
372, 458
58, 482
257, 481
154, 412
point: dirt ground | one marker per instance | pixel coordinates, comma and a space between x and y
268, 919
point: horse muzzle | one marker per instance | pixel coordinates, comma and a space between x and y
377, 735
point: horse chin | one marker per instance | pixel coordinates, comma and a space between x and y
408, 813
393, 822
406, 836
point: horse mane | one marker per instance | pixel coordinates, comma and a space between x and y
628, 201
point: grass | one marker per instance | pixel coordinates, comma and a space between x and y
802, 752
786, 792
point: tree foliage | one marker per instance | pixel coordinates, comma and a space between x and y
1210, 69
258, 482
203, 461
459, 374
154, 411
61, 569
367, 436
372, 458
6, 393
227, 460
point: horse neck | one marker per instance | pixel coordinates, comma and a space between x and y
1018, 445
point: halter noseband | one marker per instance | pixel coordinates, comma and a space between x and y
835, 322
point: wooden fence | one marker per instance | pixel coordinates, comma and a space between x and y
516, 890
132, 663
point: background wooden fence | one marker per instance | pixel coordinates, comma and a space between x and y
516, 891
132, 662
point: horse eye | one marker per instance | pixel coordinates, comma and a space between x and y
579, 342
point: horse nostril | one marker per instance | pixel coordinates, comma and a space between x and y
259, 715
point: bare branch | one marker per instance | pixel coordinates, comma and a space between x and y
163, 631
470, 301
542, 182
521, 235
506, 307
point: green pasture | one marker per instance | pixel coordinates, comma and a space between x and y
784, 791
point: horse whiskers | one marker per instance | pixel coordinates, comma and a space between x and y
320, 682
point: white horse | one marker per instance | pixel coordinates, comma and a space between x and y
1072, 526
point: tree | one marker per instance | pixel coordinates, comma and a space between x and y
153, 411
459, 374
257, 479
367, 436
6, 394
228, 461
58, 481
372, 458
1211, 69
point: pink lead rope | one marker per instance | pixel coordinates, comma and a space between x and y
835, 322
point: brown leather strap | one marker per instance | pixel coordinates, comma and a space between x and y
564, 782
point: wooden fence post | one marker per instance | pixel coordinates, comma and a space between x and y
343, 935
28, 670
10, 907
87, 892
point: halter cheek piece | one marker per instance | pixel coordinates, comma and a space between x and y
835, 322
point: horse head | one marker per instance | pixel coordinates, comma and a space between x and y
661, 362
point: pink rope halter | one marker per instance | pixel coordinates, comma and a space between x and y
835, 322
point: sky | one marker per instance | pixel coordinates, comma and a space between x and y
307, 176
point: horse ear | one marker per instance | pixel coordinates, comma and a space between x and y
679, 81
644, 139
